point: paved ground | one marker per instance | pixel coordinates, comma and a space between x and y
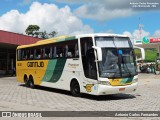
15, 97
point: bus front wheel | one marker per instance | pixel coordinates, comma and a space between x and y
75, 89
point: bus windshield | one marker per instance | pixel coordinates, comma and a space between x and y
118, 59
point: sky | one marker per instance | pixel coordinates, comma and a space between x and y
135, 18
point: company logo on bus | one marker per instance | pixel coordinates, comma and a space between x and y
73, 65
89, 87
35, 64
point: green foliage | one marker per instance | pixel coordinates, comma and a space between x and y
45, 35
52, 34
137, 52
150, 54
32, 30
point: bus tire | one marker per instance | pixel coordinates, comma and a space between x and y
75, 88
26, 81
31, 82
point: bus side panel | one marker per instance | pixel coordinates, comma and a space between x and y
49, 70
35, 68
64, 71
54, 70
73, 70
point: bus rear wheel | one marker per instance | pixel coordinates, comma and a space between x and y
31, 83
75, 89
26, 81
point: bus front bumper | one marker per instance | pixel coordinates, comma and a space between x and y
106, 90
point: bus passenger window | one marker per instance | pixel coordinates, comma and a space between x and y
23, 55
50, 54
54, 55
27, 54
38, 53
71, 51
66, 51
19, 53
47, 52
31, 54
59, 52
76, 51
69, 54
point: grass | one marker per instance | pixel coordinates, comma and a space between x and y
150, 54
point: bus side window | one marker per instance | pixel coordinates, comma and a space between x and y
37, 53
54, 51
27, 56
51, 51
31, 54
66, 51
59, 51
46, 52
76, 50
24, 54
72, 49
19, 54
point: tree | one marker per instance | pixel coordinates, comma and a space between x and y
53, 34
45, 35
32, 30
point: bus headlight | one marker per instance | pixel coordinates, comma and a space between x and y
104, 82
135, 80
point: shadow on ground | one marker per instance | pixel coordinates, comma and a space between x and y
86, 96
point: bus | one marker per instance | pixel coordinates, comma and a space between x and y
96, 64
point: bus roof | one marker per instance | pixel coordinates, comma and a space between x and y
48, 41
101, 34
65, 38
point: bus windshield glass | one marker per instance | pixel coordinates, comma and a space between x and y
118, 58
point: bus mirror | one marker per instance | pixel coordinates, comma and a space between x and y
99, 53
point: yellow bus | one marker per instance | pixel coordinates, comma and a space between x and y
97, 64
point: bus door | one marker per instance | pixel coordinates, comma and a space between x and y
88, 59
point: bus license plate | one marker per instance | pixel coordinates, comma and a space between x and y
121, 89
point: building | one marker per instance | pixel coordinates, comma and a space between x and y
8, 44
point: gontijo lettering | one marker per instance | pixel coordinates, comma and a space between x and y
35, 64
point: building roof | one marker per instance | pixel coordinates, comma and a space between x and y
16, 39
